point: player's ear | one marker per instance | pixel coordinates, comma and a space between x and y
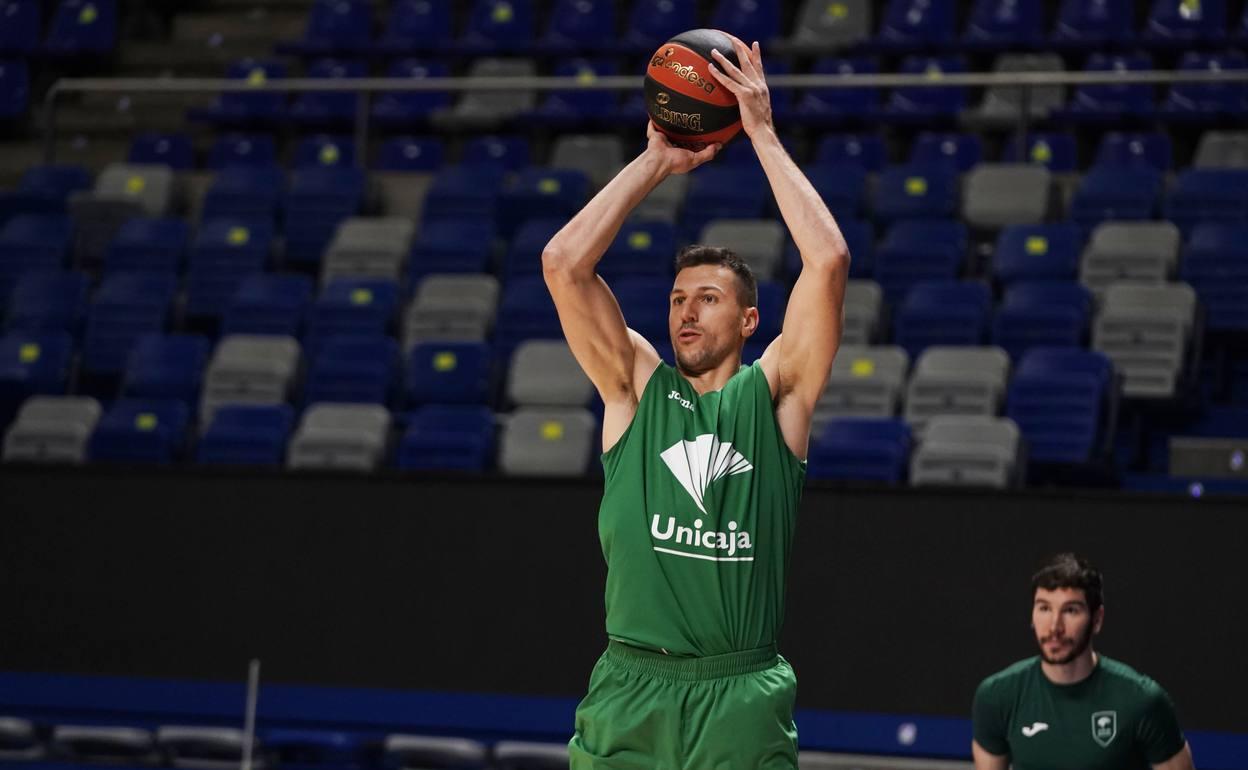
1098, 619
749, 322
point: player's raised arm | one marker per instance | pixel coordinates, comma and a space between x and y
798, 362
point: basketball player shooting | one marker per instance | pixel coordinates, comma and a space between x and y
704, 464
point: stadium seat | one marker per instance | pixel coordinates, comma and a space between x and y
32, 243
477, 110
1130, 148
1093, 26
526, 311
547, 441
1001, 105
247, 435
821, 26
126, 306
140, 431
653, 22
328, 108
1185, 22
352, 437
166, 367
416, 26
510, 152
197, 746
972, 450
334, 27
909, 25
759, 242
864, 382
14, 88
318, 200
864, 303
1056, 152
1116, 192
269, 303
962, 151
352, 368
1060, 398
1215, 264
1208, 102
861, 449
1037, 252
324, 150
537, 192
1222, 149
149, 246
249, 369
922, 105
579, 26
942, 313
666, 202
1144, 252
567, 109
723, 192
642, 247
404, 175
172, 150
444, 372
1004, 25
919, 250
20, 30
916, 191
1041, 313
418, 750
467, 191
225, 252
444, 438
863, 150
239, 149
645, 303
353, 306
1110, 102
1208, 195
452, 246
122, 192
498, 26
82, 28
842, 186
998, 195
401, 109
48, 301
103, 743
748, 20
21, 741
1146, 331
52, 429
368, 247
239, 108
956, 381
544, 373
43, 190
831, 106
599, 157
454, 308
859, 237
32, 363
524, 256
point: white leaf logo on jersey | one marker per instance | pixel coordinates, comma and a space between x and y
697, 463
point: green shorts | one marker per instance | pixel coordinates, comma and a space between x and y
650, 711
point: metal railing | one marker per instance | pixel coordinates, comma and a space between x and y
366, 87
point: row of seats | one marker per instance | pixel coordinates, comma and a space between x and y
75, 28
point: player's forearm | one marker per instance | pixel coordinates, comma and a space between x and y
813, 227
579, 246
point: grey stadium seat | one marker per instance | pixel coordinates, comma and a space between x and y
823, 26
1141, 252
368, 247
818, 760
340, 437
452, 307
665, 202
864, 382
92, 743
1222, 149
19, 740
403, 193
522, 755
488, 108
759, 242
122, 192
997, 195
52, 429
207, 748
970, 450
250, 369
544, 373
950, 379
599, 157
547, 441
864, 304
412, 752
1001, 104
1145, 332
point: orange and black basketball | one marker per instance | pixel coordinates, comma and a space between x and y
684, 99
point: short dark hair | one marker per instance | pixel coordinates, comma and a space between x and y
1066, 570
747, 284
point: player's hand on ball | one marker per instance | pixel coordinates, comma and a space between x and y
677, 160
747, 83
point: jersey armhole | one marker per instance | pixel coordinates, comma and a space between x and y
771, 408
610, 456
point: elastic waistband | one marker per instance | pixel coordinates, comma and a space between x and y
691, 669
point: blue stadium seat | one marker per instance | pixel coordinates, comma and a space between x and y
82, 28
916, 191
172, 150
251, 193
1039, 313
126, 306
942, 313
401, 109
772, 299
416, 26
1185, 22
324, 150
861, 449
14, 88
537, 192
19, 27
236, 149
1127, 148
246, 435
319, 198
352, 306
640, 248
830, 106
140, 431
452, 246
498, 26
43, 190
510, 152
842, 186
465, 192
644, 303
1208, 101
723, 192
1109, 102
919, 250
1054, 151
411, 153
268, 303
579, 26
446, 438
1037, 252
864, 150
1091, 26
525, 311
334, 27
524, 254
1208, 195
910, 25
1116, 192
33, 243
352, 368
1061, 399
241, 108
449, 373
166, 366
749, 20
32, 363
570, 108
859, 237
653, 22
48, 301
328, 108
225, 252
961, 150
310, 748
1004, 25
922, 105
148, 245
1240, 33
1215, 264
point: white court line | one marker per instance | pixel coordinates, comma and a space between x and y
700, 556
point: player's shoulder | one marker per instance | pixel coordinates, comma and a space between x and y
1130, 679
1009, 678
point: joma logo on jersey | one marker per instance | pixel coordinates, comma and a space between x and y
675, 396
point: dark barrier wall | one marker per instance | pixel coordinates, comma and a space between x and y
899, 601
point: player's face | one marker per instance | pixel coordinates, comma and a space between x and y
705, 319
1063, 623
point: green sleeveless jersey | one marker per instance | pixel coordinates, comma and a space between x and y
1115, 719
697, 518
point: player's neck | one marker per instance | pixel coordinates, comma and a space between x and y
712, 380
1073, 672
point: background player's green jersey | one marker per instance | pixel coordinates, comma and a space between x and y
1116, 719
697, 518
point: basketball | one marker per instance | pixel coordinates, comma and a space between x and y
684, 99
